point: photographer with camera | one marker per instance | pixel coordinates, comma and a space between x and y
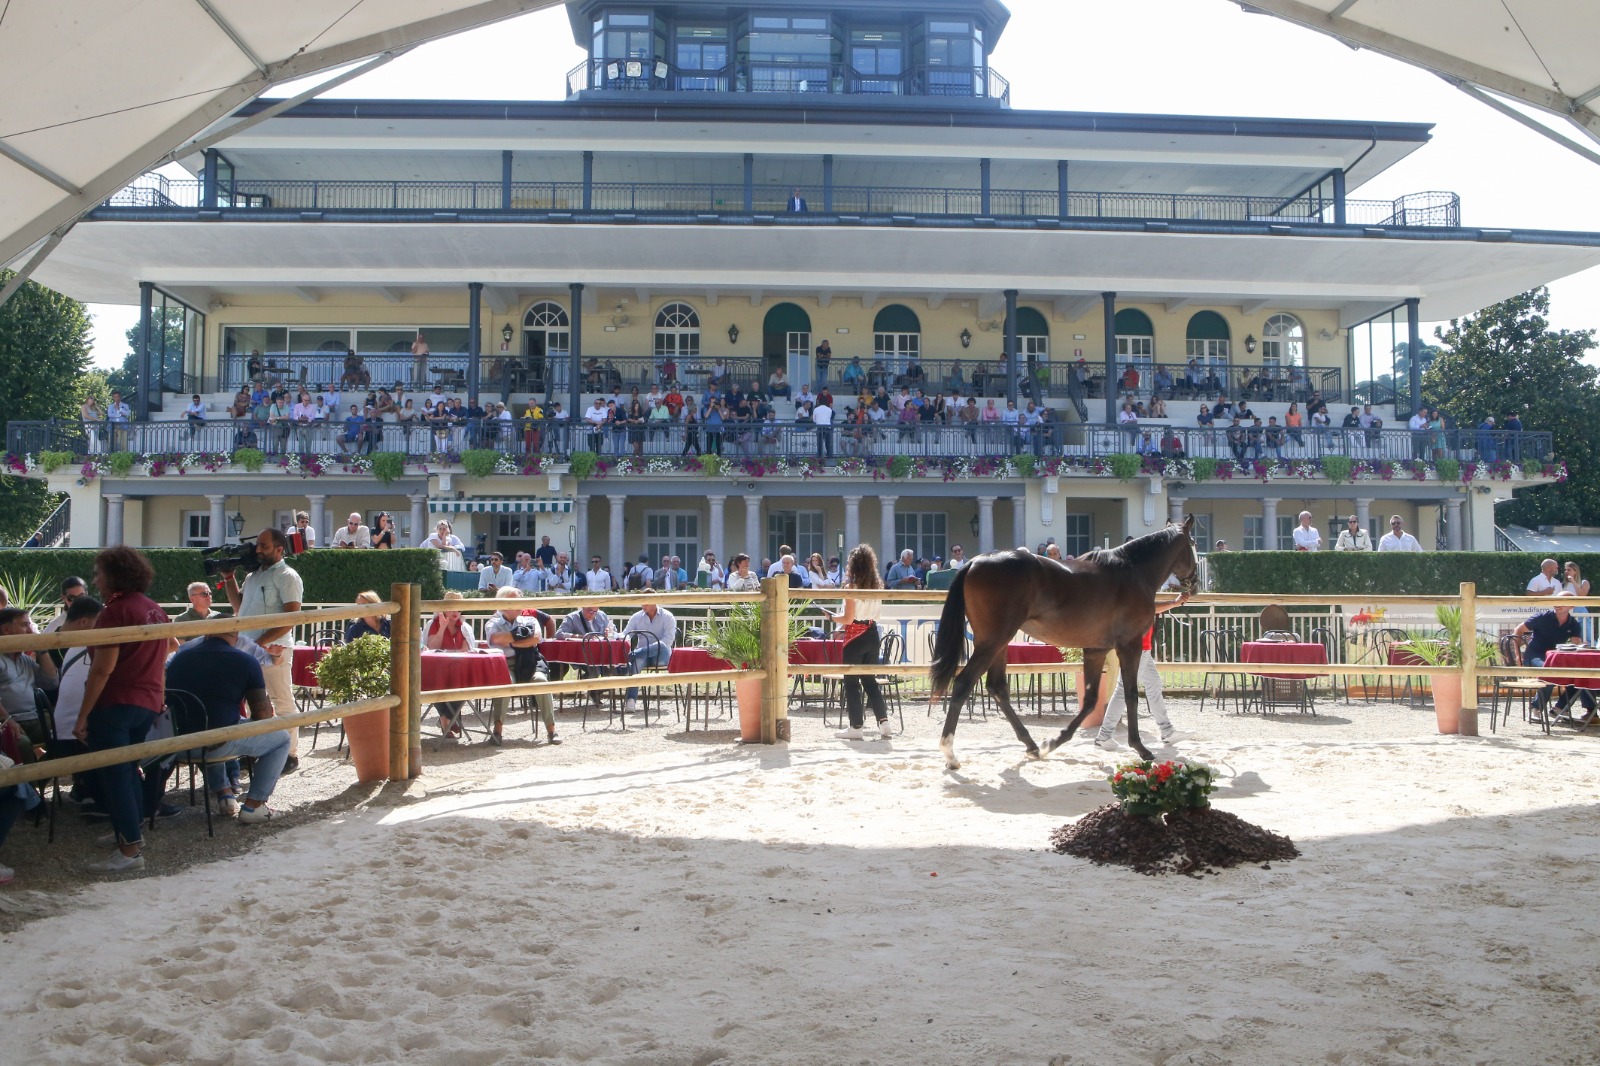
270, 586
517, 635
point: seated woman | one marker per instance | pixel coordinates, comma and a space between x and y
1158, 408
368, 625
1204, 417
452, 552
448, 631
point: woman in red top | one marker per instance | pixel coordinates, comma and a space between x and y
124, 692
448, 631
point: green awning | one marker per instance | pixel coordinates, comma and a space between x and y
533, 506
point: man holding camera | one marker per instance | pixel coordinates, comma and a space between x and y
274, 588
517, 635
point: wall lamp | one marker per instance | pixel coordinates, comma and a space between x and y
733, 334
966, 337
973, 525
506, 332
1250, 343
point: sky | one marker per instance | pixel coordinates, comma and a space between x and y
1198, 57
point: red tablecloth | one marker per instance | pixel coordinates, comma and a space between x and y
603, 653
694, 661
1266, 651
1025, 652
303, 672
463, 669
1583, 660
1402, 655
816, 653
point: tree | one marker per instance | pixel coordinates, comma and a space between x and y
1506, 358
44, 349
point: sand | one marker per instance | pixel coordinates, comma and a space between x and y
662, 898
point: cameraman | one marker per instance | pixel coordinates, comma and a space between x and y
517, 635
275, 588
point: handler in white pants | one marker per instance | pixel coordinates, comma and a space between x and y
1150, 678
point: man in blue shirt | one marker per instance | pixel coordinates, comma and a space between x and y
903, 574
216, 679
1544, 631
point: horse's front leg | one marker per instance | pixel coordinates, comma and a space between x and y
1001, 690
1094, 664
1128, 655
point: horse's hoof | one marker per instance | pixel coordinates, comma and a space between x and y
1049, 747
1035, 754
947, 745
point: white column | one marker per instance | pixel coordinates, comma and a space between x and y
1269, 522
1452, 520
885, 530
1019, 519
754, 535
714, 533
113, 519
1364, 512
219, 520
852, 524
318, 512
985, 524
419, 518
580, 522
616, 549
87, 528
1175, 506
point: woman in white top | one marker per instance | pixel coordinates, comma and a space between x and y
743, 579
452, 553
861, 641
819, 572
91, 416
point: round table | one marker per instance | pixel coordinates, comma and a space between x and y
574, 652
816, 653
463, 669
694, 661
303, 673
1582, 660
1267, 651
1026, 653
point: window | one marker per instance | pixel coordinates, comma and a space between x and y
1206, 339
701, 49
877, 58
801, 530
921, 531
788, 54
1252, 533
896, 336
1286, 524
1077, 533
953, 52
677, 331
1283, 341
672, 533
1136, 337
196, 529
1033, 338
1202, 533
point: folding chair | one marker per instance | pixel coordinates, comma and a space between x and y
596, 654
1324, 636
1222, 646
891, 652
188, 715
1513, 689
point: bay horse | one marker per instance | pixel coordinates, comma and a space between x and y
1101, 600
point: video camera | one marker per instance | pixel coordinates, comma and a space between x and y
242, 556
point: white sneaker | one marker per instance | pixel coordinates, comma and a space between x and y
1107, 744
1175, 736
117, 863
228, 806
849, 734
253, 815
630, 706
885, 730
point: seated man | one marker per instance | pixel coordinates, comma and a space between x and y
221, 678
584, 621
20, 673
353, 534
355, 370
778, 384
654, 631
517, 635
1544, 631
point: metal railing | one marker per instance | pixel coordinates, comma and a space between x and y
774, 441
1427, 209
549, 375
800, 77
52, 533
1204, 380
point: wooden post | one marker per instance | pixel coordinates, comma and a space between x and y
411, 618
1467, 726
401, 638
775, 659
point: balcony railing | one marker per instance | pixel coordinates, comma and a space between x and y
821, 77
788, 440
1428, 209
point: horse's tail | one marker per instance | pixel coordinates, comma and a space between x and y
951, 640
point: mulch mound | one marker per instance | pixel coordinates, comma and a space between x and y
1188, 842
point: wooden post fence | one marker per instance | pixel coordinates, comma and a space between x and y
411, 618
402, 641
775, 659
1467, 724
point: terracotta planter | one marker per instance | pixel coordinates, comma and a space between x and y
1080, 681
1447, 701
368, 735
748, 691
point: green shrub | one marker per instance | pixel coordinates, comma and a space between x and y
53, 461
330, 576
355, 671
1448, 469
1382, 573
252, 459
479, 462
900, 466
1336, 468
583, 464
1205, 468
387, 466
1024, 464
120, 463
1125, 465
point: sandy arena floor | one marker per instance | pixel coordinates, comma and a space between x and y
662, 897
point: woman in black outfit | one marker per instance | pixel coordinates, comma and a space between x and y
860, 621
383, 537
691, 427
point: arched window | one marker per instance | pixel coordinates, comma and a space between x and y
1136, 337
896, 336
546, 345
1033, 336
677, 332
1283, 341
1207, 337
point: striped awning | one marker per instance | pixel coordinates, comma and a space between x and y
526, 506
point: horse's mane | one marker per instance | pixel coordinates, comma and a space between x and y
1135, 552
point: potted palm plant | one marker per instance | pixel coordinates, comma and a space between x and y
1445, 649
360, 670
735, 637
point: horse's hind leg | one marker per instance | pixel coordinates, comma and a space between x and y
1001, 690
960, 689
1094, 662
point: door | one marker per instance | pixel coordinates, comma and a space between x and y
786, 342
534, 358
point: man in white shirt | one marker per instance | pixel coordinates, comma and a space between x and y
822, 417
1307, 537
595, 417
303, 526
667, 579
597, 577
528, 578
352, 534
1397, 539
1545, 582
656, 631
495, 576
275, 588
435, 398
716, 576
1418, 425
1353, 538
786, 552
958, 558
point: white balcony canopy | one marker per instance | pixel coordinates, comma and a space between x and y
97, 94
1536, 52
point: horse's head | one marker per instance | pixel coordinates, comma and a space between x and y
1186, 563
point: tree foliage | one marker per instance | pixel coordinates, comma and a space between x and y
44, 349
1506, 359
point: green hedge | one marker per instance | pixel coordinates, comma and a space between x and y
1379, 573
331, 576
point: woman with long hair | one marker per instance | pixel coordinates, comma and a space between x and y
818, 572
859, 618
383, 536
448, 631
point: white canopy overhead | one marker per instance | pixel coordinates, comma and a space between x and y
96, 94
1538, 52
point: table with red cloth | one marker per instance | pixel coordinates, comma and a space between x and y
443, 670
1041, 689
816, 653
1027, 653
695, 661
303, 672
1285, 689
601, 652
1581, 660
